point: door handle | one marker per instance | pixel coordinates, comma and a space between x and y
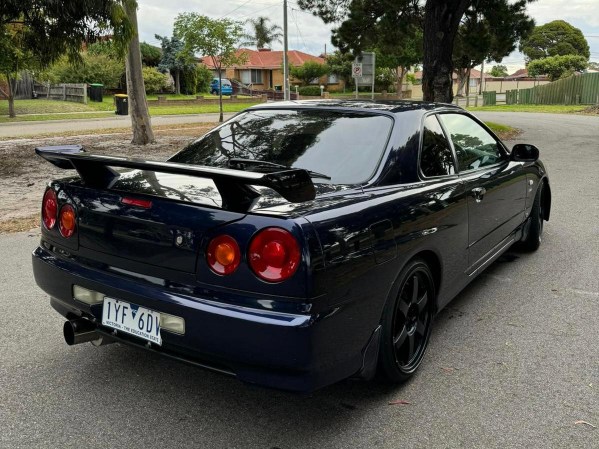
478, 193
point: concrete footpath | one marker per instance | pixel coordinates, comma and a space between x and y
29, 129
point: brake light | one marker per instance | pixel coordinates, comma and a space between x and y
223, 254
274, 254
49, 209
67, 221
146, 204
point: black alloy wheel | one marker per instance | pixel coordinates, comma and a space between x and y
407, 322
533, 239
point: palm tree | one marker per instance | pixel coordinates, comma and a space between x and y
262, 35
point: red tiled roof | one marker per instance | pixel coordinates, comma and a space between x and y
268, 59
522, 73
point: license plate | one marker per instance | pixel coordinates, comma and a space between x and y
132, 319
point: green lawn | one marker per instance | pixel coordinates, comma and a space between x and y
42, 110
548, 108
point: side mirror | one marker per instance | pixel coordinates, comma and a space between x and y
523, 152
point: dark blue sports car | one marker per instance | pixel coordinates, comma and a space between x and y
293, 246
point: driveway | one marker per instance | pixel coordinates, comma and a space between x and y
513, 361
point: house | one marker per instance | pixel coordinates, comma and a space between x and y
263, 68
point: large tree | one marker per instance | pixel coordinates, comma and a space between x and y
136, 90
217, 39
555, 38
174, 60
441, 20
262, 35
380, 26
490, 30
35, 33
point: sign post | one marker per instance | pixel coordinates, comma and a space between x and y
363, 71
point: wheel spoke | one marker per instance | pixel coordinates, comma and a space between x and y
411, 341
414, 288
420, 327
422, 302
400, 338
403, 308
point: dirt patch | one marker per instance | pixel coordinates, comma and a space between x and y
509, 135
591, 110
23, 175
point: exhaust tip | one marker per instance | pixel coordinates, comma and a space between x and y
79, 331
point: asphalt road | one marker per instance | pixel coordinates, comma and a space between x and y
513, 362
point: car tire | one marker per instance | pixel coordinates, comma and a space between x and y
407, 322
533, 238
214, 92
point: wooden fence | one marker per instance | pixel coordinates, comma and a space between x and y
76, 93
577, 89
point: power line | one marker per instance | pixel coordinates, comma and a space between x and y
231, 12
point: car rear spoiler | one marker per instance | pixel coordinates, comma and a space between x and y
234, 186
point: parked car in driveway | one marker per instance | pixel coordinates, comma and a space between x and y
293, 246
227, 88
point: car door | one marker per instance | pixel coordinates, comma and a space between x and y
496, 187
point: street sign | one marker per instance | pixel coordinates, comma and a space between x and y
356, 69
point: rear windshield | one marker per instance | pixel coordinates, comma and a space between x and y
345, 146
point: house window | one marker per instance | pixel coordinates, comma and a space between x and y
252, 76
332, 79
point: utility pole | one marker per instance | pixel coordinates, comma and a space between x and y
482, 74
286, 95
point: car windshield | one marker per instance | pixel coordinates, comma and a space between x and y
345, 146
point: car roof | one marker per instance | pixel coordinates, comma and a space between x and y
393, 106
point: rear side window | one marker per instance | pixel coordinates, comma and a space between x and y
346, 146
436, 157
475, 148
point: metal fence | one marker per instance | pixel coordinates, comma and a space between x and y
577, 89
76, 93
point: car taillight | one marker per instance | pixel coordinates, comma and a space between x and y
49, 208
274, 254
67, 221
223, 254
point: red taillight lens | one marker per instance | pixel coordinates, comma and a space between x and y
223, 254
67, 221
145, 204
274, 254
49, 208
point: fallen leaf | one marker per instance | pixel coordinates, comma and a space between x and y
586, 423
448, 370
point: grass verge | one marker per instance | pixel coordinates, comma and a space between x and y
542, 108
504, 132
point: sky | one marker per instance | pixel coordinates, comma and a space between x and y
309, 34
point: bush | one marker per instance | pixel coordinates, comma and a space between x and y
309, 91
94, 68
154, 80
204, 77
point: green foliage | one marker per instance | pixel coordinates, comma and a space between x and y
150, 55
261, 34
92, 68
340, 65
216, 38
53, 28
557, 67
490, 30
309, 91
499, 71
555, 38
203, 78
105, 48
173, 55
154, 80
385, 79
309, 71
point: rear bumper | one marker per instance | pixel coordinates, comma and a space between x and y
298, 352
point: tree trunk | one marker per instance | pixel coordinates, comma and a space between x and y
462, 77
401, 73
138, 106
220, 95
178, 82
11, 96
468, 81
441, 22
